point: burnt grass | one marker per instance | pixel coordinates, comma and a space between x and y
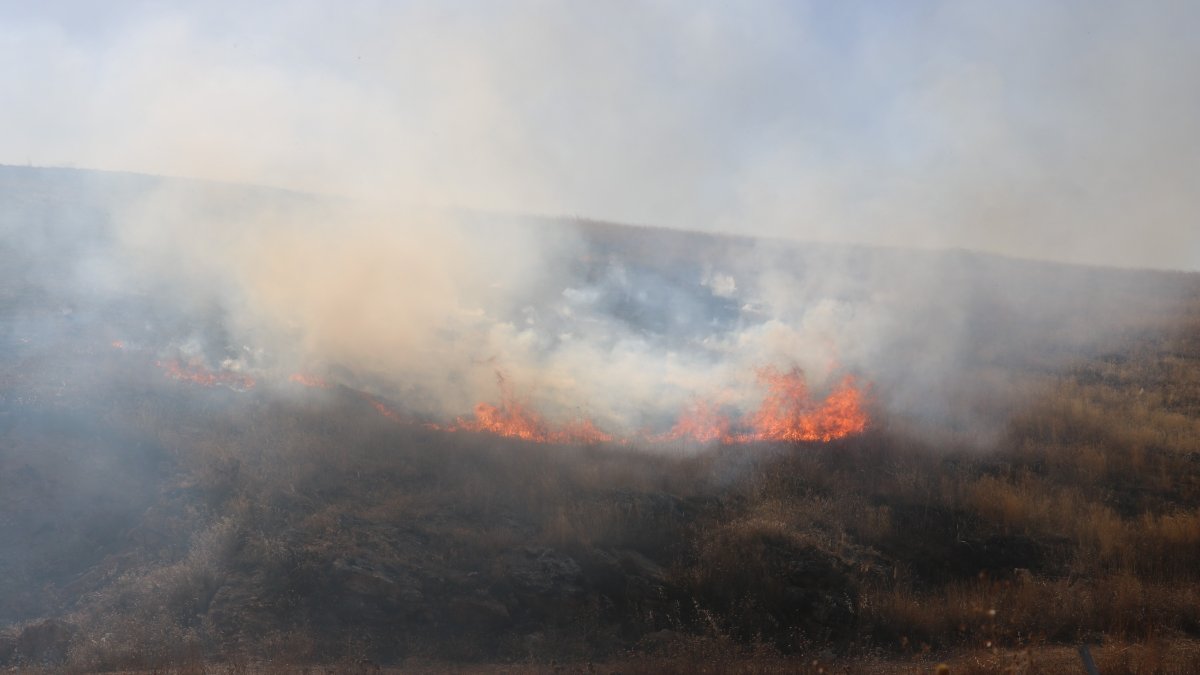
160, 524
148, 524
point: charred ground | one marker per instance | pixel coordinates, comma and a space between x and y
150, 524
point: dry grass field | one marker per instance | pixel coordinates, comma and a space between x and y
154, 526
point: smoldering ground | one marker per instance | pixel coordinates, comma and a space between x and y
624, 326
394, 265
791, 121
118, 481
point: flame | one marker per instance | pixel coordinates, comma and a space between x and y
510, 418
788, 412
581, 431
118, 344
514, 418
702, 422
384, 409
197, 373
311, 381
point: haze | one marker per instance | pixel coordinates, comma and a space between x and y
1065, 131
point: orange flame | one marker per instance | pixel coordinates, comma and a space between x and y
788, 413
514, 419
197, 373
510, 418
703, 422
582, 431
384, 409
311, 381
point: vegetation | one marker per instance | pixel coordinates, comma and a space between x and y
151, 525
286, 531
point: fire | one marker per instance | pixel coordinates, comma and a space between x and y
197, 373
383, 409
118, 344
788, 412
581, 431
510, 418
311, 381
703, 422
514, 418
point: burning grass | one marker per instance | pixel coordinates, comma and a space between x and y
787, 414
419, 546
196, 372
876, 549
222, 526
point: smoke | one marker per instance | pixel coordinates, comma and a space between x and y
626, 326
429, 306
1064, 132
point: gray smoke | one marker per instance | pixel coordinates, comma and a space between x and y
1062, 131
1066, 133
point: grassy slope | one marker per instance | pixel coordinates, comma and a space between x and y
314, 530
164, 526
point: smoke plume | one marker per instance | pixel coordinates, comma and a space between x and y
404, 139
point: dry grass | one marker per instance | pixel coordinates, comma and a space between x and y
288, 533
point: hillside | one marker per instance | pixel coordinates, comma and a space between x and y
1028, 486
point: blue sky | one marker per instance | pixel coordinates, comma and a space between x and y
1060, 130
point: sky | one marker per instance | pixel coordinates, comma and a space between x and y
1054, 130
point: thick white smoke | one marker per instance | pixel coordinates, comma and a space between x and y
1000, 127
1064, 131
